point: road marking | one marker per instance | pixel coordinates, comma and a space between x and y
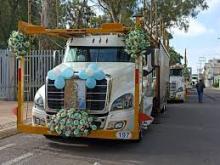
71, 145
18, 159
7, 146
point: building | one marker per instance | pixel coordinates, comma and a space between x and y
212, 72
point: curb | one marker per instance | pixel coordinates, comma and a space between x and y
10, 131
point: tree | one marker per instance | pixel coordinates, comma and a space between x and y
171, 13
118, 11
175, 57
10, 12
76, 14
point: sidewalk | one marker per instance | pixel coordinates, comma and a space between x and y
8, 119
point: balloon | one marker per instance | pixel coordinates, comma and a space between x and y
99, 75
67, 73
51, 75
93, 66
59, 82
90, 72
83, 75
90, 83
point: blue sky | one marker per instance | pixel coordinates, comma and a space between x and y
201, 38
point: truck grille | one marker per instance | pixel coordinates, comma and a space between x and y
173, 86
96, 97
55, 97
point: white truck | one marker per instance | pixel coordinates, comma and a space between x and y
177, 83
112, 100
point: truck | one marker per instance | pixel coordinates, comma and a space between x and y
122, 102
177, 83
194, 80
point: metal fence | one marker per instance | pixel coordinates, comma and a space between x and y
37, 64
7, 75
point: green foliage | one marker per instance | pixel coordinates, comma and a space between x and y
10, 12
175, 12
136, 43
175, 57
186, 73
18, 43
216, 84
118, 10
72, 123
77, 14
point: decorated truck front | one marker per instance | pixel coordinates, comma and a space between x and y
95, 78
98, 91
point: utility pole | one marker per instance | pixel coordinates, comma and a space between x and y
185, 58
29, 11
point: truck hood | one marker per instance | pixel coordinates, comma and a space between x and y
121, 73
114, 69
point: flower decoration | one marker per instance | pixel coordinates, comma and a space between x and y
18, 43
91, 74
136, 43
72, 123
59, 74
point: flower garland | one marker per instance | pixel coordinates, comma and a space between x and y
18, 43
136, 43
72, 123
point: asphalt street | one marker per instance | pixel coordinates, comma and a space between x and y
187, 134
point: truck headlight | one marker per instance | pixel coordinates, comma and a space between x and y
180, 89
116, 125
123, 102
38, 101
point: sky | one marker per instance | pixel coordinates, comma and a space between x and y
201, 41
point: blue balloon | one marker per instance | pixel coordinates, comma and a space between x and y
93, 66
83, 75
59, 82
51, 75
67, 73
90, 83
99, 75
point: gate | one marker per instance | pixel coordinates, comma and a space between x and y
37, 64
8, 75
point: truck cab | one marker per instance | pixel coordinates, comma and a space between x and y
177, 83
111, 101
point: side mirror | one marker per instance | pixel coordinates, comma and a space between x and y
56, 59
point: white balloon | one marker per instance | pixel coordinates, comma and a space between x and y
90, 72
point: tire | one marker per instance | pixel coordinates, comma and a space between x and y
164, 109
50, 137
140, 137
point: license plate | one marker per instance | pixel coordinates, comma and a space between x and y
123, 135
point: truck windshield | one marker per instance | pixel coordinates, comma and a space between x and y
176, 72
96, 54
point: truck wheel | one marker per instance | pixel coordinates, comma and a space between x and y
154, 112
164, 109
50, 137
140, 136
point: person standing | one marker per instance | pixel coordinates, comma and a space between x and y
200, 86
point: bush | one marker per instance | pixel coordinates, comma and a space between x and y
216, 85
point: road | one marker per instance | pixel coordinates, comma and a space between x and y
187, 134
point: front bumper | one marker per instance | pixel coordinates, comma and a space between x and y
38, 116
177, 96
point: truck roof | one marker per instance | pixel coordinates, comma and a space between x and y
112, 40
106, 28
